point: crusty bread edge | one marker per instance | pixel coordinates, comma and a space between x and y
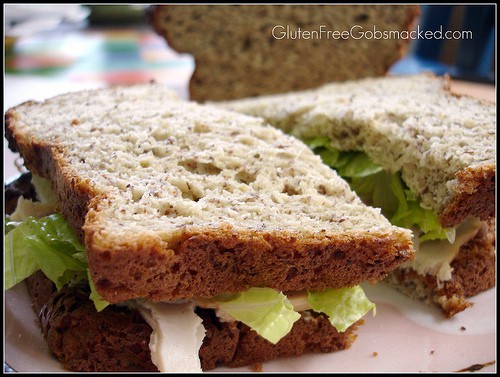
473, 195
208, 262
474, 271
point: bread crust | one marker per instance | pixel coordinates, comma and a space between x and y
474, 196
221, 261
473, 272
117, 338
46, 160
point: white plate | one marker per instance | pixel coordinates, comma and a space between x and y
404, 336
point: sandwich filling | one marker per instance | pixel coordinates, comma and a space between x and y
38, 238
435, 246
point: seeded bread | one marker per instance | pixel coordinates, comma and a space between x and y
443, 144
117, 338
238, 55
176, 200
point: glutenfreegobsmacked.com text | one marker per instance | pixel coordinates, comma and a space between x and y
359, 32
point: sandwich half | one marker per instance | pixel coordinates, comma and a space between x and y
172, 236
423, 155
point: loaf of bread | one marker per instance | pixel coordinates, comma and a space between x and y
442, 144
117, 338
249, 50
176, 200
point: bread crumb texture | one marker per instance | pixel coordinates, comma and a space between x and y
156, 183
443, 144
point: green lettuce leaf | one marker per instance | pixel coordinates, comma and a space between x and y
48, 244
383, 190
99, 303
343, 306
348, 164
410, 213
265, 310
19, 263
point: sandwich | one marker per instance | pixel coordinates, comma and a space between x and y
176, 237
423, 155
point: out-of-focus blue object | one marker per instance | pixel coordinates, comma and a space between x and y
470, 52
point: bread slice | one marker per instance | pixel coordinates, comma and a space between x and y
249, 50
117, 339
176, 200
443, 145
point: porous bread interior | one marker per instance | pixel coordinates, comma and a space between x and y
178, 164
411, 124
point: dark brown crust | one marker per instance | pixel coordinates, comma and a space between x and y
474, 271
219, 261
474, 196
117, 339
46, 160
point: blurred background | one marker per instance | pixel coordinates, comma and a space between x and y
49, 46
115, 44
470, 52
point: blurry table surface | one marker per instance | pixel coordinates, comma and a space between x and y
55, 62
478, 90
51, 63
96, 57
